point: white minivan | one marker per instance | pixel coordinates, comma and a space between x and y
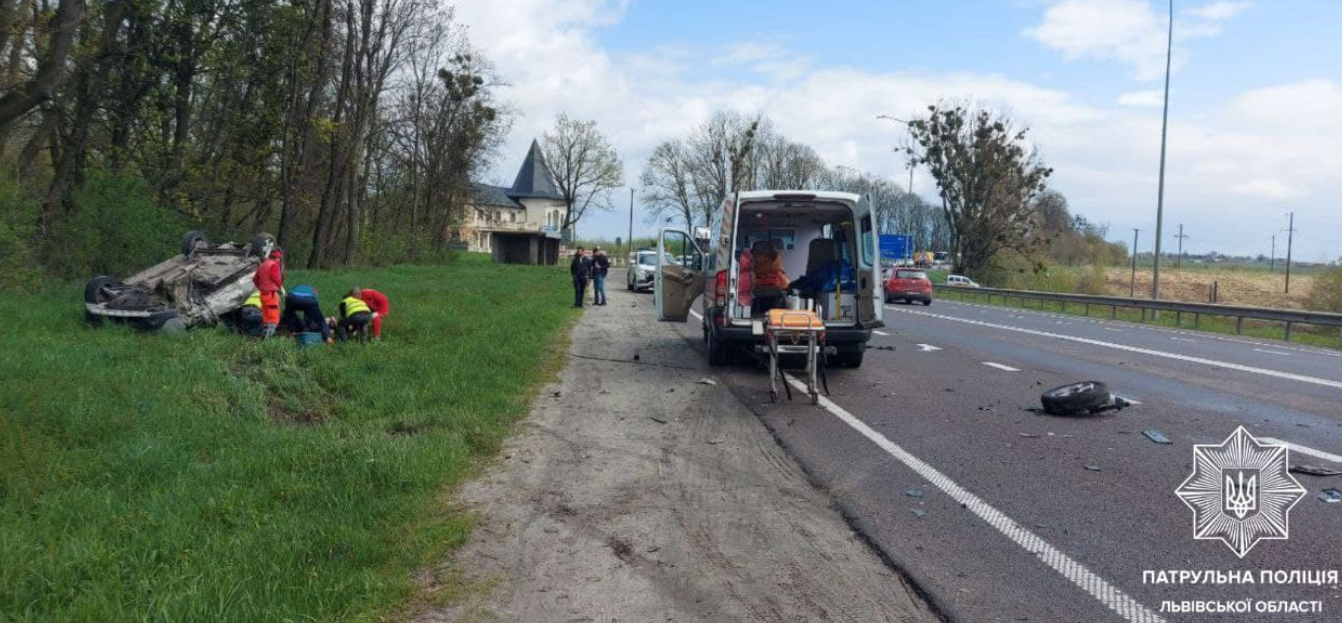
826, 244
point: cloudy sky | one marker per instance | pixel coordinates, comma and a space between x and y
1255, 112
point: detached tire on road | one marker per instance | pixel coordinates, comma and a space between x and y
1075, 398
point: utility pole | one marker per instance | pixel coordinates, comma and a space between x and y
1272, 262
1132, 289
1179, 263
631, 221
1290, 238
1164, 133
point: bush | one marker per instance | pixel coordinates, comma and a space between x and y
1091, 280
1326, 293
18, 215
115, 229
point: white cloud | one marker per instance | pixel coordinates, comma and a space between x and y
1265, 151
1142, 99
1130, 32
1272, 190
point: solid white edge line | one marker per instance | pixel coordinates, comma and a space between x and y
1108, 594
880, 333
1295, 447
994, 364
1271, 352
1291, 376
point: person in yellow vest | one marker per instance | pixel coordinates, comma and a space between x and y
248, 319
355, 315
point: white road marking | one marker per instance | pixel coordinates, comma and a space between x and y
1291, 376
927, 348
1108, 594
1304, 450
696, 314
993, 364
1182, 339
1271, 352
1200, 334
880, 333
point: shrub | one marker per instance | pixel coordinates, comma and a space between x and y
115, 229
1091, 280
18, 214
1326, 293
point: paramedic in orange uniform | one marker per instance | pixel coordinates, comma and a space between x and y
269, 280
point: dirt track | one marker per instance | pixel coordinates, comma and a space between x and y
636, 493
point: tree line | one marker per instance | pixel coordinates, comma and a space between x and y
351, 129
996, 211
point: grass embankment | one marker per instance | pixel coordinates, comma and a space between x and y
207, 477
1317, 336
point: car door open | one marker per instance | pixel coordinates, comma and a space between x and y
679, 279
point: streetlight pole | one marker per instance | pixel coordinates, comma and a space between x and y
1164, 133
1132, 289
906, 123
631, 221
1272, 259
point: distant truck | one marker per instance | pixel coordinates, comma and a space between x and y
204, 284
924, 259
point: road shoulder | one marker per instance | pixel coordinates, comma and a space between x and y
636, 492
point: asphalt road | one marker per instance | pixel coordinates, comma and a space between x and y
1000, 513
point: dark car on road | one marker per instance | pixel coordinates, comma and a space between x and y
908, 285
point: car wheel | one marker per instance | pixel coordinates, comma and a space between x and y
262, 243
1075, 398
927, 302
717, 354
94, 292
848, 360
629, 283
191, 239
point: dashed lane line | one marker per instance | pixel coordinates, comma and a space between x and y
1271, 352
1075, 572
1006, 368
1145, 351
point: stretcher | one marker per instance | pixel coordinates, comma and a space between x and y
794, 332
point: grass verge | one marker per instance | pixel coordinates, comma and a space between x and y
206, 477
1314, 336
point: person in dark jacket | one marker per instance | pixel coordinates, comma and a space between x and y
303, 313
580, 269
600, 266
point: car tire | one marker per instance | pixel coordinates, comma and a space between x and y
717, 353
93, 290
851, 360
261, 244
191, 239
629, 283
927, 302
1075, 398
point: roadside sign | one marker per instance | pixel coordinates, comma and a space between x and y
895, 246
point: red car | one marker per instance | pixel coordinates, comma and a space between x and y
908, 285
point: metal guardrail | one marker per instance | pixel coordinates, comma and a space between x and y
1288, 317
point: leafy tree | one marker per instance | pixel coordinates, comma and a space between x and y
988, 177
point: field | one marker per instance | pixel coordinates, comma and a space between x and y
207, 477
1236, 285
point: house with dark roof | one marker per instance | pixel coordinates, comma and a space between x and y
518, 224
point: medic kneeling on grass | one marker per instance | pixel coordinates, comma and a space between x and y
269, 281
377, 302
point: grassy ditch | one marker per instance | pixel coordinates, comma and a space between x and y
207, 477
1300, 334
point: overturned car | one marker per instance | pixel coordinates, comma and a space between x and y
200, 287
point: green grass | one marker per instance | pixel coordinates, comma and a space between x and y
1315, 336
207, 477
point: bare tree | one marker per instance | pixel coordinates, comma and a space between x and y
585, 166
51, 71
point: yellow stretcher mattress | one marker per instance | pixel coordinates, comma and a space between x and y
795, 319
